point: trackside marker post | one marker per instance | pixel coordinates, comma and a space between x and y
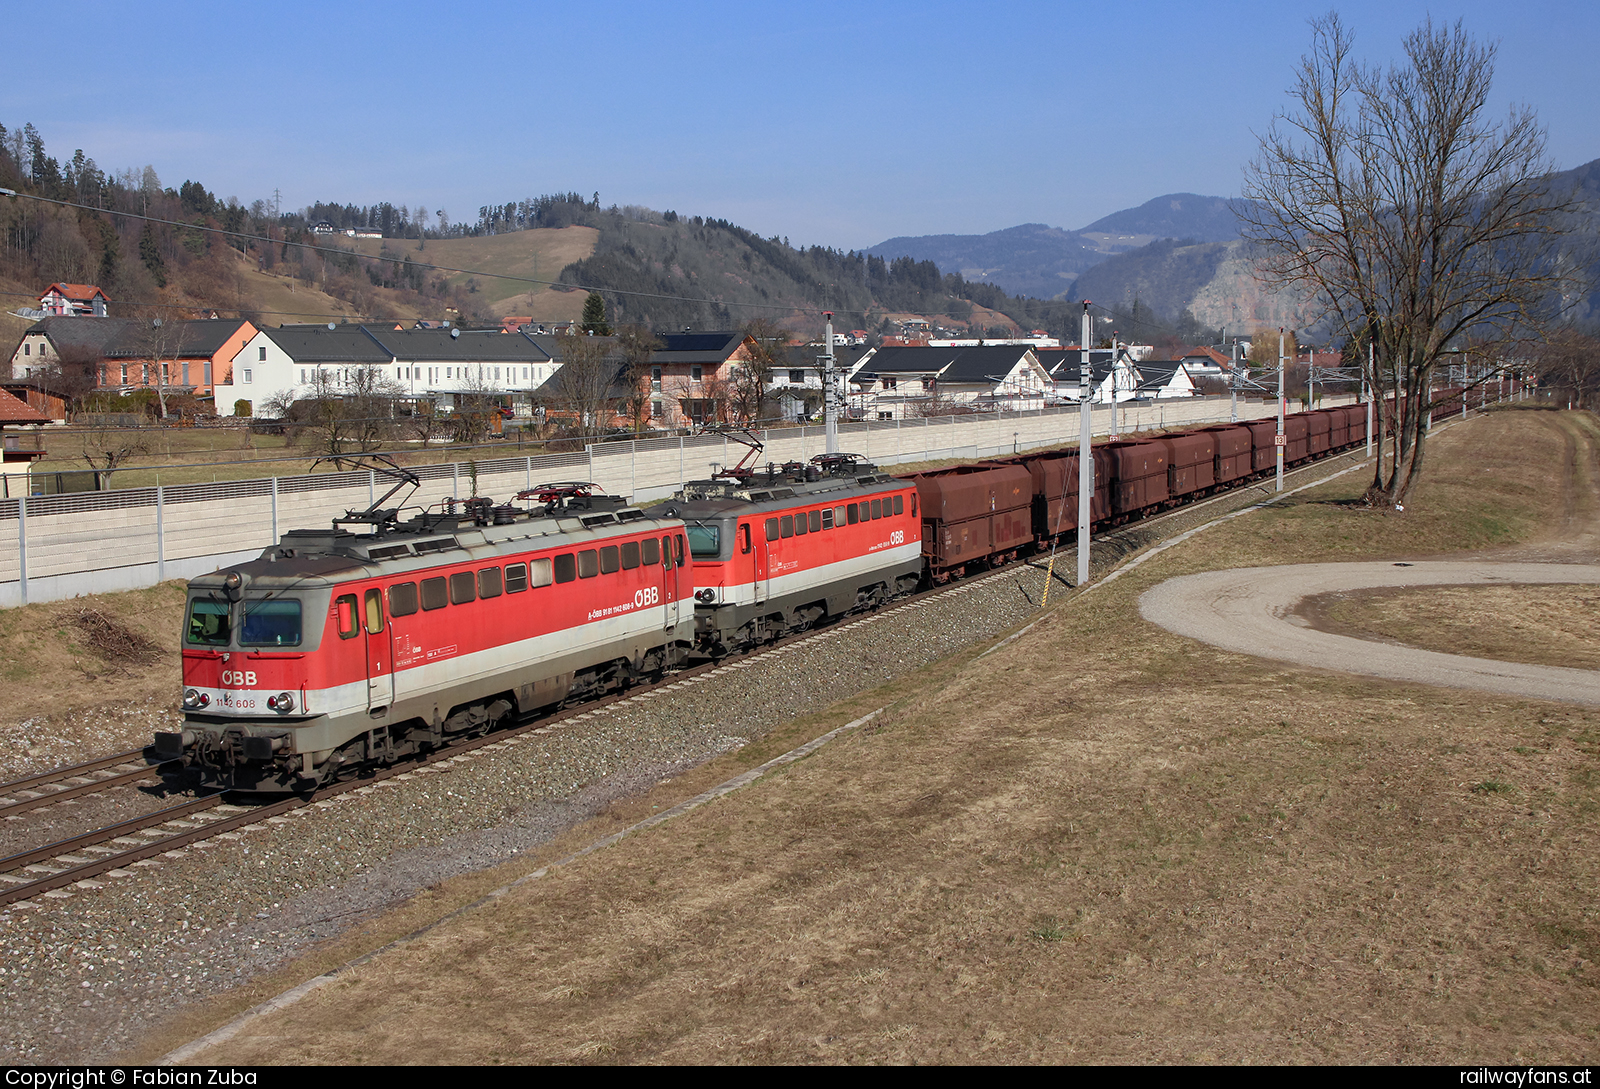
1085, 455
1280, 443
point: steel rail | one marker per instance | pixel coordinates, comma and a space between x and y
57, 774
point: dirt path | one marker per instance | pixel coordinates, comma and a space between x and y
1252, 610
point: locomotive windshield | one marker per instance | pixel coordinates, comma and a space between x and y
705, 542
271, 623
209, 624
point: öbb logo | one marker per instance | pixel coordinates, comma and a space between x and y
238, 677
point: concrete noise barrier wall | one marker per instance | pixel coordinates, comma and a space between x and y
60, 546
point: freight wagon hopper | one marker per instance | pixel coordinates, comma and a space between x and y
974, 515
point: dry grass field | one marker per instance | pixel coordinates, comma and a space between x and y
1545, 625
535, 255
1098, 843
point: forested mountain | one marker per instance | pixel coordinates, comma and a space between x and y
1176, 215
1043, 261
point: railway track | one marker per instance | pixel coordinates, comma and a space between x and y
75, 780
113, 850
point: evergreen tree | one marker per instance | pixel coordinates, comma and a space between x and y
594, 315
150, 254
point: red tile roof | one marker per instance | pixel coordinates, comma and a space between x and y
13, 410
83, 292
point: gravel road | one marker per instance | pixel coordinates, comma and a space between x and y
1251, 610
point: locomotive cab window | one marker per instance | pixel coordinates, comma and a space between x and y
744, 539
516, 578
209, 624
650, 551
374, 610
899, 504
402, 599
489, 582
705, 542
677, 549
435, 595
588, 564
772, 529
344, 614
274, 622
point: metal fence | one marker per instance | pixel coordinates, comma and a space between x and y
64, 545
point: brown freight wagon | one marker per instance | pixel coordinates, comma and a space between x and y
1263, 453
974, 513
1055, 490
1139, 472
1318, 433
1191, 462
1232, 451
1338, 427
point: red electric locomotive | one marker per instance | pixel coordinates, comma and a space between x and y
781, 551
336, 650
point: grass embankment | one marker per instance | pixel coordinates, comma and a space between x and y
1100, 843
201, 455
85, 677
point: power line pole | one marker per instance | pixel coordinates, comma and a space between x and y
1085, 455
830, 393
1280, 440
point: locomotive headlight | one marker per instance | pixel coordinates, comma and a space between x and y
282, 703
193, 699
705, 596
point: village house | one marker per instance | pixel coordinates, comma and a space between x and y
690, 376
20, 444
438, 365
900, 382
78, 355
184, 357
73, 301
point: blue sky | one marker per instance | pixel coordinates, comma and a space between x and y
838, 124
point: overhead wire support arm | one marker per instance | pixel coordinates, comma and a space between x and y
384, 465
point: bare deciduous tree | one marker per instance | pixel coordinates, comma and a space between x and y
1569, 361
586, 386
766, 347
349, 412
638, 345
1413, 218
108, 443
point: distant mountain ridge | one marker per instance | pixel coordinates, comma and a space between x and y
1043, 261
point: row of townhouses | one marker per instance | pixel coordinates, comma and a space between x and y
241, 368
